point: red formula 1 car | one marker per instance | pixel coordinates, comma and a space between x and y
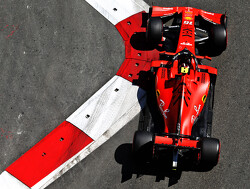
184, 86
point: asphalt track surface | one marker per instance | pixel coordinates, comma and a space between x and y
56, 54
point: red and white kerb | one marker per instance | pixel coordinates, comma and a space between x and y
99, 118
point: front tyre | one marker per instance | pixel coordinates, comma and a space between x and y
224, 20
218, 37
154, 30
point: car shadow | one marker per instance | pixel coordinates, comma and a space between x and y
139, 42
160, 168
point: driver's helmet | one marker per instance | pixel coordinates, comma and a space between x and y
184, 63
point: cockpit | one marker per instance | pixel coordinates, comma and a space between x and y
184, 61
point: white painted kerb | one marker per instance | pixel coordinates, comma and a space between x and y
107, 106
109, 111
117, 10
7, 181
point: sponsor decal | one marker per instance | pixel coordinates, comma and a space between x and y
166, 8
163, 73
208, 12
188, 18
188, 15
187, 32
187, 44
161, 108
188, 22
197, 110
178, 93
158, 93
204, 98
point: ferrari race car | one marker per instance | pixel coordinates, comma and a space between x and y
182, 91
184, 87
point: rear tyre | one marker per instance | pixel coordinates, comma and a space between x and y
154, 30
210, 152
143, 146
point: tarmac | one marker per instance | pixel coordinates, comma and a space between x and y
54, 55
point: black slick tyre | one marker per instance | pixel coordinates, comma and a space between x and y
218, 37
210, 152
154, 30
143, 145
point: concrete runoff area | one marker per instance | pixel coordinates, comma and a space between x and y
55, 55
